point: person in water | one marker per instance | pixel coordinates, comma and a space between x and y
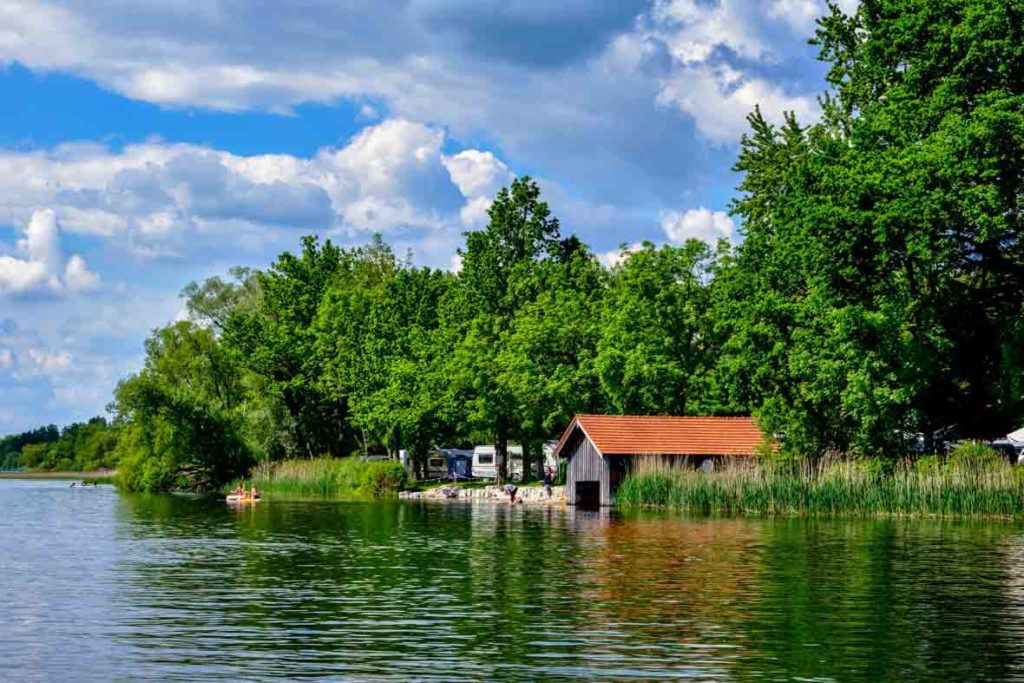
239, 490
255, 494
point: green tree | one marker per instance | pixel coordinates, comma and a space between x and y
277, 340
496, 281
547, 363
183, 414
401, 399
882, 267
215, 300
654, 351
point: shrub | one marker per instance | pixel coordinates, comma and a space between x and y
384, 477
974, 456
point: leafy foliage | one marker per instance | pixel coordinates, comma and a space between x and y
82, 446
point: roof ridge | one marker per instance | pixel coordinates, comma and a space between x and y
669, 417
669, 434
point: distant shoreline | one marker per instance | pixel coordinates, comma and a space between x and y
93, 474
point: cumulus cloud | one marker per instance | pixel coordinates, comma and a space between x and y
549, 96
41, 267
158, 199
78, 277
701, 224
719, 99
478, 175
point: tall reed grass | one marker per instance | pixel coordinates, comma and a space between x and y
328, 478
970, 483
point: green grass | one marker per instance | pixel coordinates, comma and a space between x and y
969, 483
90, 476
337, 478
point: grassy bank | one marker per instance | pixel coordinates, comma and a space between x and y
327, 478
971, 484
91, 476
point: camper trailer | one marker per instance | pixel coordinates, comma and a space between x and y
486, 467
437, 465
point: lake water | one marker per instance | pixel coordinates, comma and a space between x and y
100, 586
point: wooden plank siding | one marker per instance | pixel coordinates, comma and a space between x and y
586, 464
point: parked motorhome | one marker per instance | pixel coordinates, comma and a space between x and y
486, 467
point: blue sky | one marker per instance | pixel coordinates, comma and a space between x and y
147, 144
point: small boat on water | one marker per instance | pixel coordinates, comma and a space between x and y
235, 498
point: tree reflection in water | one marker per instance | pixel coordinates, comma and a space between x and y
393, 590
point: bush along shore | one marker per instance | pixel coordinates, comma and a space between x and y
973, 481
327, 478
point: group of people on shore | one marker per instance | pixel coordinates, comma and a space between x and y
549, 481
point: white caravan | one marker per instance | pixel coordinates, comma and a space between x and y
485, 466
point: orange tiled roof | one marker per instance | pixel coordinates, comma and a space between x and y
642, 435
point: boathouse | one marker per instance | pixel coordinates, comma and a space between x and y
601, 449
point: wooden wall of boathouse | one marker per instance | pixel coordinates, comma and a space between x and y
585, 464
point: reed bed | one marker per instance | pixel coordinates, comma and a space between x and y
328, 478
960, 486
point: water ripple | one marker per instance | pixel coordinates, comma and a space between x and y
97, 586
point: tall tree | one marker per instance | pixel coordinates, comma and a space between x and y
496, 282
882, 268
277, 340
182, 414
547, 363
654, 349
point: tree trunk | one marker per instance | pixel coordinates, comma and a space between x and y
394, 443
501, 457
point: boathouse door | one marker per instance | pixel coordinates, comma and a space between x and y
588, 494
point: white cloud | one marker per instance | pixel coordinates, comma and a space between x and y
78, 277
478, 173
42, 268
800, 14
702, 224
48, 362
556, 100
719, 99
158, 199
479, 176
615, 257
694, 30
389, 175
6, 358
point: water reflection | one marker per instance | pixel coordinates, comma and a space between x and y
180, 588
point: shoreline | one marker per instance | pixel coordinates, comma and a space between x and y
64, 475
530, 495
